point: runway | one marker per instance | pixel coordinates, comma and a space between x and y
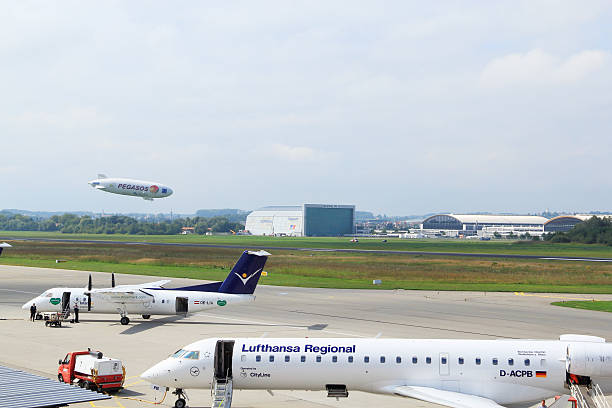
342, 250
277, 312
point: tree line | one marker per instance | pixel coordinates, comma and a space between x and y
592, 231
115, 224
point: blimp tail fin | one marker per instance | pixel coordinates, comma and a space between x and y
101, 176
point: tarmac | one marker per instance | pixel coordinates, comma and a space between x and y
277, 312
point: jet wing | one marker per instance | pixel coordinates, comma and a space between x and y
445, 398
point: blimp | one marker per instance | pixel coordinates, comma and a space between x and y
147, 190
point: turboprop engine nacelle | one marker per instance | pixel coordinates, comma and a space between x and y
589, 356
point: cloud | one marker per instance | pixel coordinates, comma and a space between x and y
72, 118
293, 153
537, 66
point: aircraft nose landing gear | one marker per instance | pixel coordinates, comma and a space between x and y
182, 397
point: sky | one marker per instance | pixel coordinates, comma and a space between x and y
397, 107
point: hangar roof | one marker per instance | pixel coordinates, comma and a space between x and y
495, 219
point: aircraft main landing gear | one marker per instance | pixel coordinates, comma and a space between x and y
125, 320
181, 401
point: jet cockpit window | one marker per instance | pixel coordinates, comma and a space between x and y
47, 294
192, 355
178, 353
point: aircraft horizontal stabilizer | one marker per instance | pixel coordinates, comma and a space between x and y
446, 398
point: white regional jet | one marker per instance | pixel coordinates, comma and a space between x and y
152, 299
148, 190
452, 373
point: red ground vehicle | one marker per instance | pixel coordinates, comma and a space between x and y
90, 369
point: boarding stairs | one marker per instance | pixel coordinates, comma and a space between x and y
589, 397
222, 393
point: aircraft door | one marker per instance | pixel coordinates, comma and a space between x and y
223, 359
65, 301
182, 305
444, 364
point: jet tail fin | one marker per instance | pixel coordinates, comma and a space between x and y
102, 176
245, 274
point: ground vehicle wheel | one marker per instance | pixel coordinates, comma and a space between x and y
47, 324
60, 378
180, 403
81, 384
125, 320
146, 316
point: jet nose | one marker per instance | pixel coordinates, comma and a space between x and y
27, 305
159, 374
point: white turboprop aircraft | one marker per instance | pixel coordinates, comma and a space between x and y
152, 299
452, 373
148, 190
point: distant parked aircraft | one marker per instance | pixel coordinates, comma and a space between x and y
148, 190
4, 245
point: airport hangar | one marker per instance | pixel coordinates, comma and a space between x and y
484, 224
307, 220
487, 224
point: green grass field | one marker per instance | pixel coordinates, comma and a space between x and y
393, 244
324, 269
599, 305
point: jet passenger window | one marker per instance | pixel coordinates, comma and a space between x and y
510, 361
527, 362
258, 358
494, 361
303, 359
271, 358
428, 360
398, 360
443, 360
366, 359
350, 359
382, 359
415, 360
478, 361
287, 359
334, 359
318, 359
461, 360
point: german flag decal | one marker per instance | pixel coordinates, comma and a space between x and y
541, 374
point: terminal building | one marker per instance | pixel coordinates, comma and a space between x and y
484, 224
307, 220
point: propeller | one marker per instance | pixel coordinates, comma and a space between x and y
113, 280
88, 294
